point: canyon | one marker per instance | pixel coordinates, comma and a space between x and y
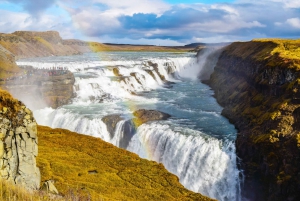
256, 82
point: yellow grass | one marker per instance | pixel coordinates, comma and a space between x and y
287, 50
103, 171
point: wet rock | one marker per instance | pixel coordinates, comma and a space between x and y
143, 116
111, 121
259, 93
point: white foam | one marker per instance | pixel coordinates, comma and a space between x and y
203, 164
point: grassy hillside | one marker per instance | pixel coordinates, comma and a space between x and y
98, 169
278, 52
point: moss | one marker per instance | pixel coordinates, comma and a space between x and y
275, 115
298, 140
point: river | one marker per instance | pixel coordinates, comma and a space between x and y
196, 143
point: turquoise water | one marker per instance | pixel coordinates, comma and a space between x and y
196, 143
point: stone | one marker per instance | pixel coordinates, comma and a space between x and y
20, 129
2, 135
30, 145
1, 149
9, 153
111, 122
25, 136
49, 187
27, 117
27, 111
143, 116
8, 141
32, 129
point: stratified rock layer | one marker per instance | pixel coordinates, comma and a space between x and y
259, 90
42, 88
18, 144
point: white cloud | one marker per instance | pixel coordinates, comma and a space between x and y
294, 22
129, 7
289, 3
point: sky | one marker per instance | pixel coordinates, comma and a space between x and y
155, 22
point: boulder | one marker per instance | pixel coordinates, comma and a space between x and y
111, 122
143, 116
49, 187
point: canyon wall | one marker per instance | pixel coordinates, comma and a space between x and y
258, 83
8, 67
18, 143
42, 88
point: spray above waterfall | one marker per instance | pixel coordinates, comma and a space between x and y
196, 143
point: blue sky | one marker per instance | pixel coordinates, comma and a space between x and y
164, 22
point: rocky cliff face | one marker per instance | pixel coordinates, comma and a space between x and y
42, 88
259, 90
8, 66
18, 144
24, 44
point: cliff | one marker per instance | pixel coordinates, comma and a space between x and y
8, 66
24, 44
257, 83
18, 143
41, 88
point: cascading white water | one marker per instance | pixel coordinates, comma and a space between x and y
203, 163
119, 134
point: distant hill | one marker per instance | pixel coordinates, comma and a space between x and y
194, 45
24, 44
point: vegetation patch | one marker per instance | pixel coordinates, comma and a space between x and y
103, 171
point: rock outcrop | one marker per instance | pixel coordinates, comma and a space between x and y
258, 85
143, 116
111, 122
24, 44
18, 144
8, 66
128, 127
42, 88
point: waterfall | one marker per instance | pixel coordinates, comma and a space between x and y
202, 163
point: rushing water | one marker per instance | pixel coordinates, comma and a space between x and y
196, 143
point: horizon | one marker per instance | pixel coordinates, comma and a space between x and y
156, 22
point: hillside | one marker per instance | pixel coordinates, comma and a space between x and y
257, 83
24, 44
103, 171
8, 67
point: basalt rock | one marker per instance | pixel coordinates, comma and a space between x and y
42, 88
111, 122
144, 116
18, 143
259, 91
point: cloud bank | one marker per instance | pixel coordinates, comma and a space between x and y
155, 20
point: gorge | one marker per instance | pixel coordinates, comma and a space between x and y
256, 82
